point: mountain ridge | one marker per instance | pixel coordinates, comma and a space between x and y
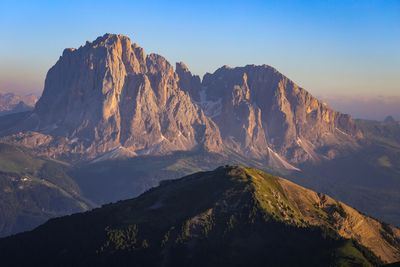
12, 103
260, 110
33, 190
187, 215
109, 94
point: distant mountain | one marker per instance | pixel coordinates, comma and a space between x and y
365, 106
12, 103
108, 99
263, 114
389, 119
32, 190
231, 216
383, 131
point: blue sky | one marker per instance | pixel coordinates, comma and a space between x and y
328, 47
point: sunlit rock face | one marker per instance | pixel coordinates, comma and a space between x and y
109, 94
263, 114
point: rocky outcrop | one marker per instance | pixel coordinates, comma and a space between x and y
109, 94
264, 115
188, 82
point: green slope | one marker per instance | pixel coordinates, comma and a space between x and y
232, 216
34, 190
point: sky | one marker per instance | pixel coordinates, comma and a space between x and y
331, 48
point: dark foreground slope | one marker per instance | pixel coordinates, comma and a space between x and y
232, 216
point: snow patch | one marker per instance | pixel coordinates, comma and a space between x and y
119, 152
306, 147
278, 160
25, 179
50, 128
211, 108
73, 140
340, 131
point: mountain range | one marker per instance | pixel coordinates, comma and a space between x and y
230, 216
108, 97
33, 190
116, 121
12, 103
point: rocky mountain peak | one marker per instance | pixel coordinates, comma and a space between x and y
187, 81
181, 67
109, 94
389, 119
265, 115
13, 103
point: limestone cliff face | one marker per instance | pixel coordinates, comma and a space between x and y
263, 114
188, 82
109, 94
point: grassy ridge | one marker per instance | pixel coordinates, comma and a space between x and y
34, 190
218, 218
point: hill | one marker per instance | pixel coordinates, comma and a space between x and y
33, 190
230, 216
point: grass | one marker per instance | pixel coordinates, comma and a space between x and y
212, 218
348, 256
15, 160
384, 161
33, 190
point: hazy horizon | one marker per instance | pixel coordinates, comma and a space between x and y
349, 49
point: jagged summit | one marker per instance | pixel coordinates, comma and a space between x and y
109, 94
106, 41
181, 67
109, 39
247, 66
389, 119
263, 114
262, 67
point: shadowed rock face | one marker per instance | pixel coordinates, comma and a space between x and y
109, 93
259, 111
